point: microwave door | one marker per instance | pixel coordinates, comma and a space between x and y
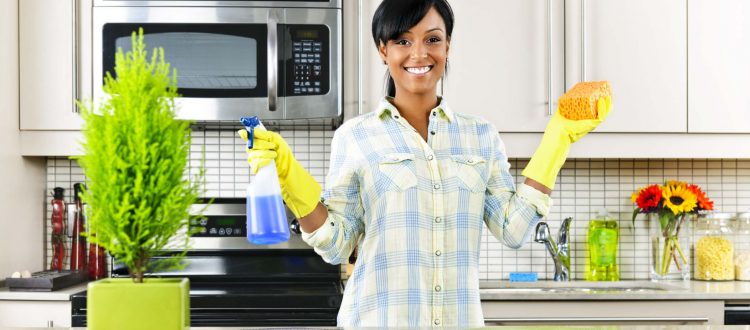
220, 56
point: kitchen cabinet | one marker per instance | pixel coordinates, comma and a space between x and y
48, 64
609, 312
502, 66
718, 66
34, 313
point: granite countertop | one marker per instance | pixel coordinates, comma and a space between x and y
622, 290
59, 295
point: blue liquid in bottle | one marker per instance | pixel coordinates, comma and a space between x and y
266, 214
263, 225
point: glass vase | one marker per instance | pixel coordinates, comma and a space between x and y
670, 241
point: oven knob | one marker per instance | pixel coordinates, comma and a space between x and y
294, 227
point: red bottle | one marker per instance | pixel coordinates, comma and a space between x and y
78, 244
97, 262
58, 229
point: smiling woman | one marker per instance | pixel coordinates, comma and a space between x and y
412, 184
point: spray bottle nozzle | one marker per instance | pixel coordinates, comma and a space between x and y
250, 123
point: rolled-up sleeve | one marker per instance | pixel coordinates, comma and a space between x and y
335, 240
510, 213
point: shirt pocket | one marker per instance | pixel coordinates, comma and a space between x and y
471, 172
397, 172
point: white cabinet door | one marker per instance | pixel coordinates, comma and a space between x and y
498, 62
719, 66
47, 69
639, 46
34, 313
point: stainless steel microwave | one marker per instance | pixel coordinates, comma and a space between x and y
277, 60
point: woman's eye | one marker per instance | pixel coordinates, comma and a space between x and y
433, 40
402, 42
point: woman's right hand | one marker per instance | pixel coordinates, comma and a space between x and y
266, 147
300, 191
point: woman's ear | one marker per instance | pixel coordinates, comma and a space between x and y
382, 51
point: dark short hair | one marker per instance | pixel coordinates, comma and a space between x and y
394, 17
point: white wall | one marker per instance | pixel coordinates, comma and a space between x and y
22, 184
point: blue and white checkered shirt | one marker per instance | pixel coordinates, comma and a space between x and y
416, 210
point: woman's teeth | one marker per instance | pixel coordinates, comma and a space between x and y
419, 70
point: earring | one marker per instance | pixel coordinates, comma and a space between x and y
385, 62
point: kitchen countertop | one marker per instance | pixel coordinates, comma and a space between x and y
535, 327
541, 290
60, 295
622, 290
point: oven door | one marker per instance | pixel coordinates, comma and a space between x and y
220, 55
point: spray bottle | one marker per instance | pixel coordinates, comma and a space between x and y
266, 215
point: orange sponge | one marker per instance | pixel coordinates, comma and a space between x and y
580, 101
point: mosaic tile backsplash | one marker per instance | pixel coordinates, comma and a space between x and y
584, 186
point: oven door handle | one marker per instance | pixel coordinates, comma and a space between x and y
273, 60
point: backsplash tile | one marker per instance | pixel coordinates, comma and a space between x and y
583, 187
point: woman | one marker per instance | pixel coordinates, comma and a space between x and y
412, 183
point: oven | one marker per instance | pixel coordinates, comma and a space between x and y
236, 283
278, 60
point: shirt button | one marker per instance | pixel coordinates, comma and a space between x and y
470, 161
438, 253
432, 132
436, 186
396, 116
434, 113
430, 157
437, 288
437, 321
438, 219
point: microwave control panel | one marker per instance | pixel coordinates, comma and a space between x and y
221, 226
308, 71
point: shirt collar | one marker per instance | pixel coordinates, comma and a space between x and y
386, 107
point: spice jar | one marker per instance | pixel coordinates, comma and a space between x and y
742, 247
714, 248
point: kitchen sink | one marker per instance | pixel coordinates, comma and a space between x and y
578, 287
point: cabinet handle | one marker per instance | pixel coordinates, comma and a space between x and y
596, 319
549, 57
75, 55
273, 60
583, 40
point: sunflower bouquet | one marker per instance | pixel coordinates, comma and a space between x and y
670, 204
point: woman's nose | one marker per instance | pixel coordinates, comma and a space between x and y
418, 51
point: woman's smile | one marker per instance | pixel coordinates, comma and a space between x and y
419, 70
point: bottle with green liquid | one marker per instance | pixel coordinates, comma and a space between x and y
602, 238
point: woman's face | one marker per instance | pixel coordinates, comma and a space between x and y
416, 59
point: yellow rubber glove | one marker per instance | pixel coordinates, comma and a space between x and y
300, 191
560, 133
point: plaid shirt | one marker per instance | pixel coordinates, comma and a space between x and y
416, 210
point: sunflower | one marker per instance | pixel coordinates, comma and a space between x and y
678, 198
703, 202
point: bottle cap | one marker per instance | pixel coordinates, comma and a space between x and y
59, 192
77, 189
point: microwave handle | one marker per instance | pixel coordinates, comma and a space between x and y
273, 61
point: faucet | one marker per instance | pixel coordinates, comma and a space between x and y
559, 250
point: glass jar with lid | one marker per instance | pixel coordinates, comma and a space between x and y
714, 248
742, 247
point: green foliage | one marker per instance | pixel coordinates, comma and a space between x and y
135, 156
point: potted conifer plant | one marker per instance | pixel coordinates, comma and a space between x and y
135, 155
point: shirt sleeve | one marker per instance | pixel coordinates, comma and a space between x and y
338, 236
510, 213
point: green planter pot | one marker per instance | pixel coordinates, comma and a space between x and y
154, 304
